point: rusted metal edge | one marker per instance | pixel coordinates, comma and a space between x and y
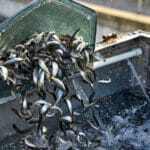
122, 38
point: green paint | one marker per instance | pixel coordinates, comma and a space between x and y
62, 16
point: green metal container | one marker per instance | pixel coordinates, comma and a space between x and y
61, 16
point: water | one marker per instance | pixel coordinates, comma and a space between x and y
138, 79
124, 119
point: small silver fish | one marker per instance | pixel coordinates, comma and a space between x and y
85, 77
12, 80
76, 55
57, 108
20, 46
87, 57
107, 81
80, 46
29, 42
94, 127
25, 103
78, 137
43, 65
90, 123
42, 102
59, 96
35, 76
44, 129
62, 140
59, 51
76, 113
4, 72
69, 105
41, 79
49, 36
39, 37
99, 57
67, 118
57, 43
44, 108
77, 40
28, 142
59, 83
50, 114
55, 37
13, 60
54, 68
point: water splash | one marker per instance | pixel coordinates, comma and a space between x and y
138, 79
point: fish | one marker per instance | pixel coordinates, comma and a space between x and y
28, 142
57, 108
87, 106
85, 77
50, 114
42, 102
80, 47
55, 68
21, 131
27, 43
55, 37
78, 137
94, 127
80, 94
25, 103
49, 36
87, 57
59, 96
75, 34
43, 65
44, 109
99, 57
59, 83
69, 105
61, 46
44, 129
41, 79
107, 81
47, 58
35, 76
60, 52
13, 60
20, 46
67, 119
76, 55
39, 37
4, 72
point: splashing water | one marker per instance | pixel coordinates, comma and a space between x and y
138, 79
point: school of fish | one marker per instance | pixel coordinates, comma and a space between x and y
47, 61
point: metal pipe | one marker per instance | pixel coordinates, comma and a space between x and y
117, 58
96, 65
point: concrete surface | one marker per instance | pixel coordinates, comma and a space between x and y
129, 5
10, 7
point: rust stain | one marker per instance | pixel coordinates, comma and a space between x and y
109, 39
